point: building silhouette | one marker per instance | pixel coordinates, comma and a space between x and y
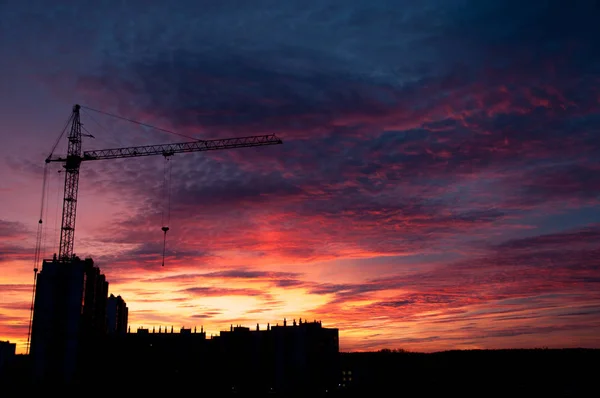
296, 358
80, 335
7, 355
117, 315
303, 357
69, 317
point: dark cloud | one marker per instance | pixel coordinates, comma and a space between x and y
147, 255
174, 278
247, 274
13, 230
14, 252
249, 188
289, 283
592, 311
531, 330
173, 299
240, 273
222, 292
395, 304
16, 287
565, 182
207, 315
556, 241
19, 306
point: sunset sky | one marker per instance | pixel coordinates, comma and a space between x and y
438, 186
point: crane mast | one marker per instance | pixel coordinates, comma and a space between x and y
75, 156
72, 164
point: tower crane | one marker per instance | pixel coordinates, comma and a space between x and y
75, 156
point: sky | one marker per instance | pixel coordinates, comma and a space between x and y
438, 185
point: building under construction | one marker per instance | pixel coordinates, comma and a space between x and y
80, 335
69, 316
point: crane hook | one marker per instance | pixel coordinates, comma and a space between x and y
164, 229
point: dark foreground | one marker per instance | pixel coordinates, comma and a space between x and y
502, 373
482, 373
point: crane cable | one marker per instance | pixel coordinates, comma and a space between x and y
139, 123
38, 246
38, 239
40, 229
54, 238
46, 207
166, 211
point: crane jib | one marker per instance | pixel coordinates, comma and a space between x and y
170, 149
